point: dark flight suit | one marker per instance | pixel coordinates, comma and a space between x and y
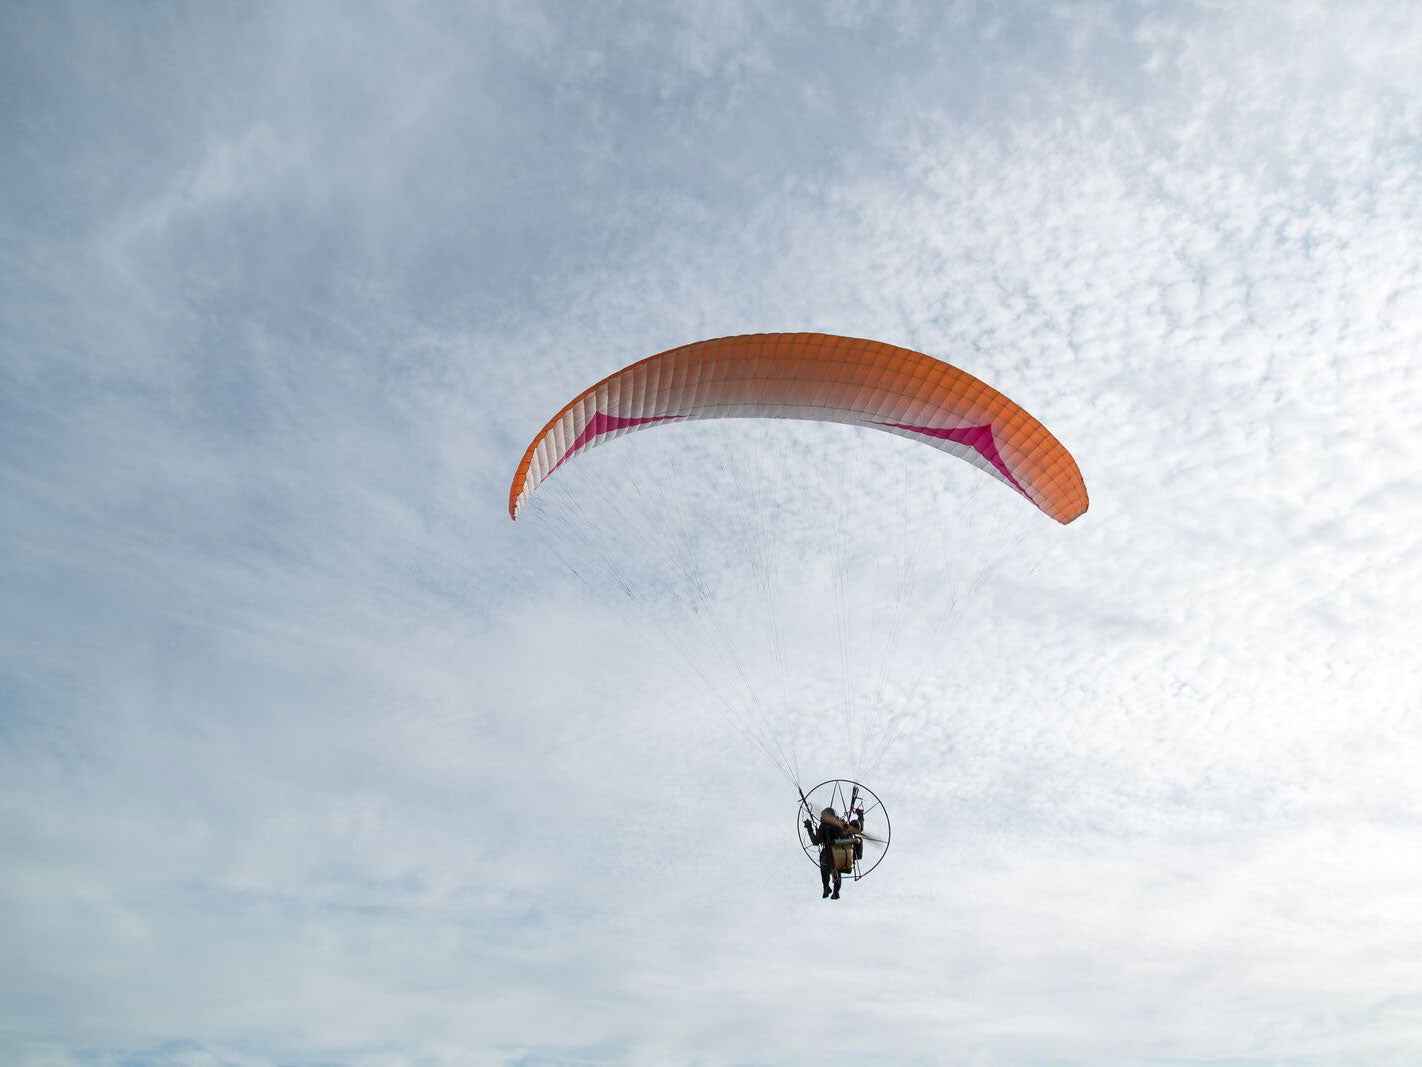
825, 836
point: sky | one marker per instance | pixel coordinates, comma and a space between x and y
308, 755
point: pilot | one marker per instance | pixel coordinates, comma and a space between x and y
831, 830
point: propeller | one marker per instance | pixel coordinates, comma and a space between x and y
841, 825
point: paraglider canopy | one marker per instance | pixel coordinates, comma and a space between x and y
817, 377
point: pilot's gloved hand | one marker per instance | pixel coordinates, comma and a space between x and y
809, 826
